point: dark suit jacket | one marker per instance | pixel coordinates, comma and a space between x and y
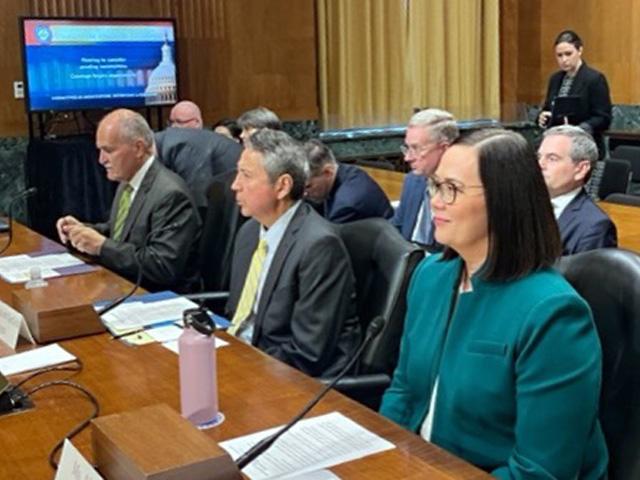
197, 156
584, 226
355, 196
168, 260
306, 316
410, 202
595, 102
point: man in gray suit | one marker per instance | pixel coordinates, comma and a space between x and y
154, 225
292, 288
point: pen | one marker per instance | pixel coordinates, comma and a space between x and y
140, 330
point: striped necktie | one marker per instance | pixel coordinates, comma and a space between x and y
250, 288
123, 210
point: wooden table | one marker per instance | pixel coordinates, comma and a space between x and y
256, 392
627, 221
101, 284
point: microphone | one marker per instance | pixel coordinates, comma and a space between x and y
375, 327
24, 194
127, 295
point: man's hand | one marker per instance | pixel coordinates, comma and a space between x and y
63, 225
86, 239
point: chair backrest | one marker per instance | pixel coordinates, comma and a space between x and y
624, 199
632, 155
221, 223
615, 177
383, 262
609, 280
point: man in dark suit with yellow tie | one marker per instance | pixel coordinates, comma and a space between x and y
154, 225
292, 289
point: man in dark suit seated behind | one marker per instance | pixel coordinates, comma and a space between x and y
197, 155
292, 289
152, 206
566, 156
345, 192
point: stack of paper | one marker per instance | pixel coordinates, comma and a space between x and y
41, 357
17, 268
312, 444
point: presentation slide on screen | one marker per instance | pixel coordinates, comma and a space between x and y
75, 65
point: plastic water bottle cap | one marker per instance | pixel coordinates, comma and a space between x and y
35, 273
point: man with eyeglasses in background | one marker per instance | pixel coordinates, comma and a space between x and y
428, 135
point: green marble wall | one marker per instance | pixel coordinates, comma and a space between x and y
13, 154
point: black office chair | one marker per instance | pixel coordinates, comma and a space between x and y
624, 199
616, 176
609, 280
221, 224
632, 155
383, 262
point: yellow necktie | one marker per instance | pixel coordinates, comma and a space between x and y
123, 210
250, 288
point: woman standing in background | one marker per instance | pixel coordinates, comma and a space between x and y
576, 79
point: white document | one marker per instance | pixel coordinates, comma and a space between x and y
173, 344
318, 475
17, 268
12, 325
165, 334
131, 315
312, 444
41, 357
73, 466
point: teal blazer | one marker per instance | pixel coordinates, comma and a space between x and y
519, 368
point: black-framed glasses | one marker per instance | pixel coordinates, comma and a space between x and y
448, 190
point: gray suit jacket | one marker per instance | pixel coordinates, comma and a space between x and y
197, 156
307, 312
163, 206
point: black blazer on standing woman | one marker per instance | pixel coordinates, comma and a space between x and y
594, 111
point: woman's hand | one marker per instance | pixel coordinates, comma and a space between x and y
543, 118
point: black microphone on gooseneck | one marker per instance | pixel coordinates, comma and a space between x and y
124, 297
24, 194
375, 327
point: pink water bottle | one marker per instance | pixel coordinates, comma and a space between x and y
198, 382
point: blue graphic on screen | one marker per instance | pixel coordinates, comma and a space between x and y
74, 67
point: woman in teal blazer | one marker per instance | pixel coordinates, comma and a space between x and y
500, 361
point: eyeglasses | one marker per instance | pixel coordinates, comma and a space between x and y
415, 151
447, 189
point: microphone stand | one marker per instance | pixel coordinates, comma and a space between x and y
375, 327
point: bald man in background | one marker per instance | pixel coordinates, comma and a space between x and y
185, 114
196, 154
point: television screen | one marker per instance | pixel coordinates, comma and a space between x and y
81, 64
